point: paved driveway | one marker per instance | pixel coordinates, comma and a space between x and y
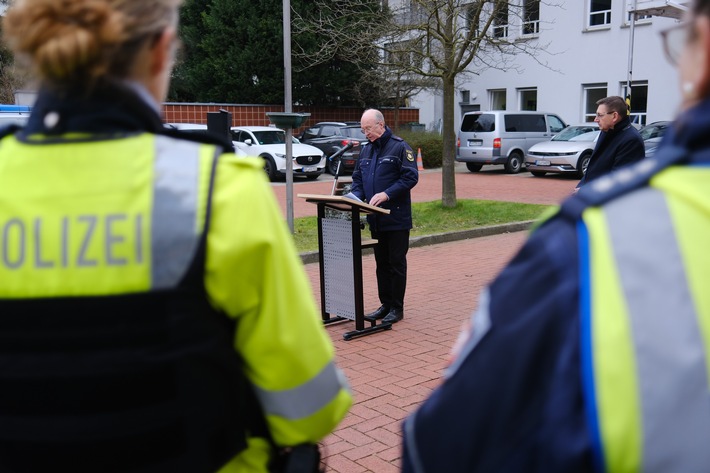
392, 372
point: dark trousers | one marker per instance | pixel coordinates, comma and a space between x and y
391, 259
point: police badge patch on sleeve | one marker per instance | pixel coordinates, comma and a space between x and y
410, 155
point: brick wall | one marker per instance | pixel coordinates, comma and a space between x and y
255, 115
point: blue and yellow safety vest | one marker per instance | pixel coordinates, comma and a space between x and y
646, 324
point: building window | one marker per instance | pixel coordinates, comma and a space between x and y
599, 12
407, 13
403, 54
592, 93
630, 15
527, 99
639, 101
473, 18
500, 20
639, 18
465, 108
531, 17
465, 96
497, 99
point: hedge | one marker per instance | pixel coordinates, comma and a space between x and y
430, 143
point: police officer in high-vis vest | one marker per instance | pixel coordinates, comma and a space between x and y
154, 314
591, 350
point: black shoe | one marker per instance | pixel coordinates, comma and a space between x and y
378, 314
394, 316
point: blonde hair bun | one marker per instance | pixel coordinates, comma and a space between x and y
65, 39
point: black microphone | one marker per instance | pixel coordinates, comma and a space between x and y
338, 153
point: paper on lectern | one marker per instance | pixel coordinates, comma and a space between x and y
352, 196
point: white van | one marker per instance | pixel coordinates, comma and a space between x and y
503, 137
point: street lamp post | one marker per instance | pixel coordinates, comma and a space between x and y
288, 120
629, 70
288, 104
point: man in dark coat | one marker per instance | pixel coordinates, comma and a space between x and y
384, 177
619, 143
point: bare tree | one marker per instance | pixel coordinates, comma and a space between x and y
350, 31
398, 82
435, 40
11, 77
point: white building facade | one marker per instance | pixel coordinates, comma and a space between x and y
587, 56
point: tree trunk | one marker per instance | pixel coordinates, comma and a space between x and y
396, 112
448, 178
396, 107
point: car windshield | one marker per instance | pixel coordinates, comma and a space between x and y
272, 137
577, 133
653, 131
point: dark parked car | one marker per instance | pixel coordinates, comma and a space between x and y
329, 137
652, 134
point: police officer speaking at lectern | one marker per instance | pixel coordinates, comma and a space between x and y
385, 175
154, 313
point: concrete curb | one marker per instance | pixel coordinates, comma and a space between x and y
312, 257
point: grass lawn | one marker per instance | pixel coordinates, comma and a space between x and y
431, 218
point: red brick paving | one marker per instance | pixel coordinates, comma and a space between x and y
392, 372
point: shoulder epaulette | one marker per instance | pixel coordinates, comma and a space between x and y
397, 138
620, 182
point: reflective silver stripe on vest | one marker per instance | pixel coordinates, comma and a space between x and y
670, 356
306, 399
175, 187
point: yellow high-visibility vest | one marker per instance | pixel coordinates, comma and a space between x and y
645, 305
85, 218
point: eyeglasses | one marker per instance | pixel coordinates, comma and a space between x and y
674, 40
599, 115
368, 129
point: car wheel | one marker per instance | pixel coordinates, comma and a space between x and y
583, 164
514, 164
538, 173
473, 167
269, 167
333, 166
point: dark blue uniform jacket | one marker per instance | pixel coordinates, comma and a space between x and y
615, 148
513, 401
387, 165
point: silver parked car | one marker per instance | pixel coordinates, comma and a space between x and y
568, 152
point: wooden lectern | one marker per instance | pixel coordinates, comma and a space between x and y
340, 258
